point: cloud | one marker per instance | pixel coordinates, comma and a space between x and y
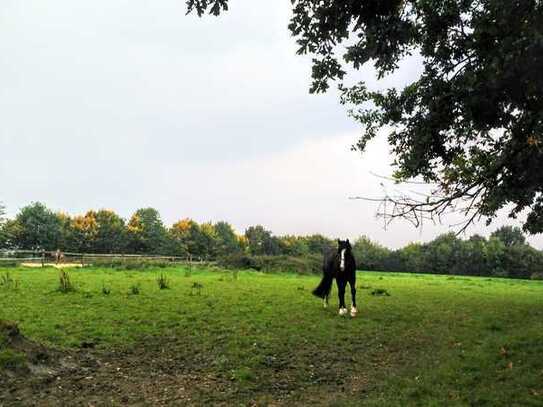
124, 104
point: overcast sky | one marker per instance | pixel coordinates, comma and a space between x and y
124, 104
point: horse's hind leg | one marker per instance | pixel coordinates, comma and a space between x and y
341, 284
325, 301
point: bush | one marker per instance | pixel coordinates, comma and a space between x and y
310, 264
131, 264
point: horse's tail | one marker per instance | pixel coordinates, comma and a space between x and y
323, 289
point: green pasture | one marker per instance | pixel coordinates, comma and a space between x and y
434, 340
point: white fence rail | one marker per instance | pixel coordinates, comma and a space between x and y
47, 257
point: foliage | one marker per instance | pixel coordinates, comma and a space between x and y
504, 254
261, 242
146, 232
227, 241
319, 244
187, 238
130, 264
3, 234
472, 123
293, 245
447, 254
110, 234
36, 227
369, 255
509, 235
310, 264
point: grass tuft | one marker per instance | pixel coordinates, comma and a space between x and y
163, 282
65, 284
106, 290
135, 289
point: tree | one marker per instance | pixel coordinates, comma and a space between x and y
319, 244
146, 232
471, 124
84, 230
36, 227
3, 234
369, 255
190, 239
293, 245
509, 235
261, 242
442, 254
111, 233
227, 242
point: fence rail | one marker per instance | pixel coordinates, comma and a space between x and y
44, 257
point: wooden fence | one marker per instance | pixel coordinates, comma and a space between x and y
85, 259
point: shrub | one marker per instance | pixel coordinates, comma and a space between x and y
163, 282
537, 275
135, 289
106, 290
310, 264
7, 281
130, 264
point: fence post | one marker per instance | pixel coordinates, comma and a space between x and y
43, 258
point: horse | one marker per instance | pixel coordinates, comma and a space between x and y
340, 265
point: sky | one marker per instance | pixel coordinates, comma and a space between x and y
124, 104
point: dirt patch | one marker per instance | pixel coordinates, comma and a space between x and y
157, 372
143, 375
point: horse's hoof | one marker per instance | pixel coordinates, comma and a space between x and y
354, 311
343, 311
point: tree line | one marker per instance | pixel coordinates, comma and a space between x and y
505, 253
36, 227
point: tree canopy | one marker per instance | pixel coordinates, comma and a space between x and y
471, 124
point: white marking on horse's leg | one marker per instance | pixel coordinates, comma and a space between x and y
342, 262
325, 303
343, 311
354, 311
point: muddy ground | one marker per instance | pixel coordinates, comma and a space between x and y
155, 373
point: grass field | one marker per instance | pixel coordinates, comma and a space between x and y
263, 339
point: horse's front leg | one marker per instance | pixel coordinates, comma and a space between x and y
354, 311
341, 294
325, 301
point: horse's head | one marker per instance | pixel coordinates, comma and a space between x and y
343, 245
